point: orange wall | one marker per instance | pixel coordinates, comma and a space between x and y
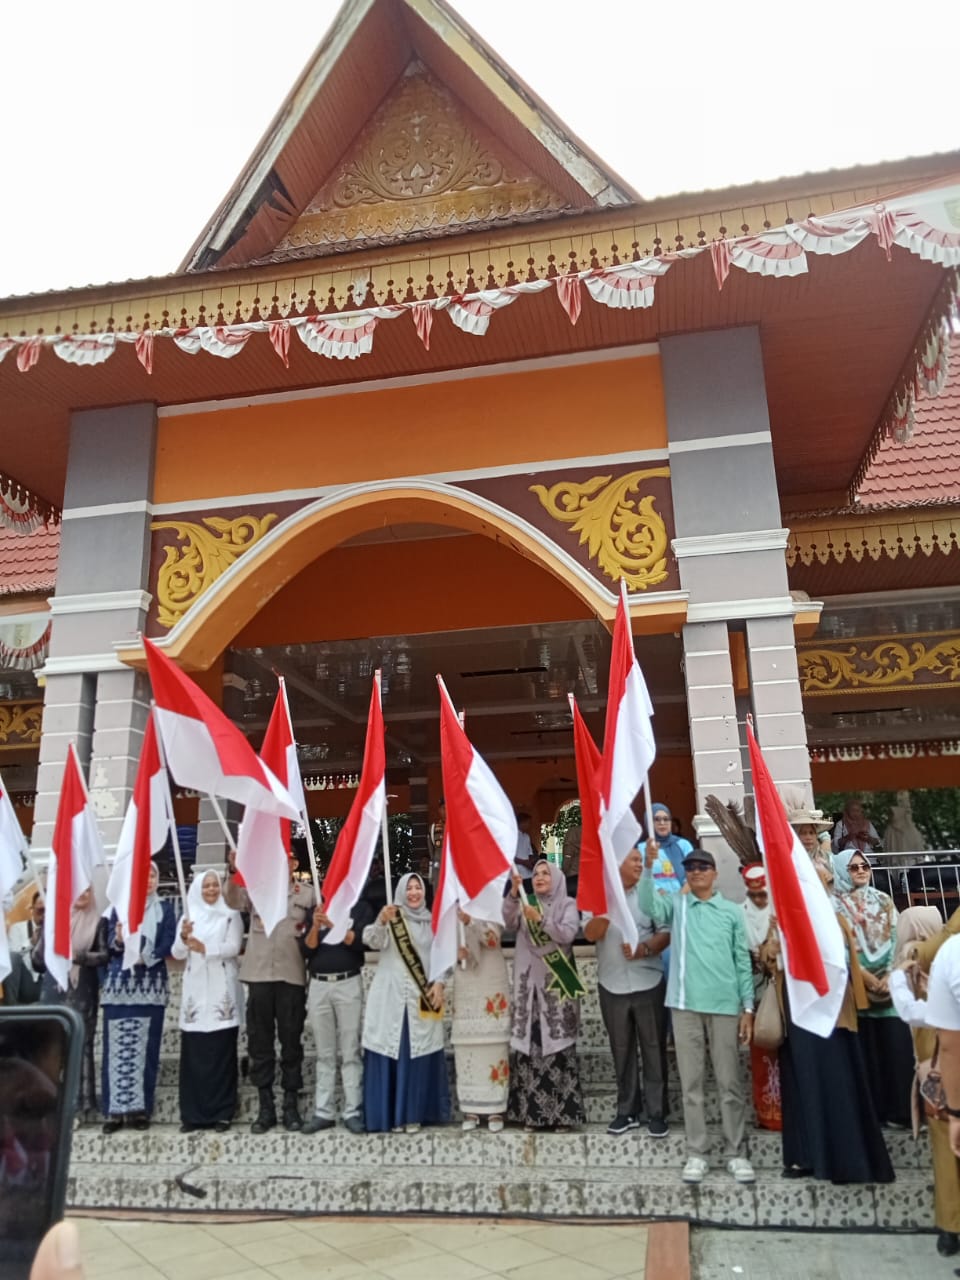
444, 584
439, 426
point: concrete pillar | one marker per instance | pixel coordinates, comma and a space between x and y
101, 600
777, 702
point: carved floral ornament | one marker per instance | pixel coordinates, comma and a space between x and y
621, 529
930, 662
202, 553
20, 723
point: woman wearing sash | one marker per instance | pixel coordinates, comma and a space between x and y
404, 1067
544, 1075
481, 1024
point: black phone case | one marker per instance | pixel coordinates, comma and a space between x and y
15, 1262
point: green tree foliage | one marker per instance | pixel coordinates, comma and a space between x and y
936, 811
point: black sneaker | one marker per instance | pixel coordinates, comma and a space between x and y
622, 1124
316, 1124
657, 1128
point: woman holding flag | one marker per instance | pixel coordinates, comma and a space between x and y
404, 1067
545, 1088
481, 1024
209, 939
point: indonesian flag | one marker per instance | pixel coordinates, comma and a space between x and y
814, 955
13, 849
75, 851
204, 749
481, 831
629, 748
263, 843
599, 888
144, 833
353, 853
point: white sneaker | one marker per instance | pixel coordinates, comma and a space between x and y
741, 1169
470, 1123
412, 1128
695, 1170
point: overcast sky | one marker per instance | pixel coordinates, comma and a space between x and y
127, 122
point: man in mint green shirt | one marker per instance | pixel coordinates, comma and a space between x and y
710, 992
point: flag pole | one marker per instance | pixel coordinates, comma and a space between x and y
311, 851
461, 930
168, 801
231, 843
648, 810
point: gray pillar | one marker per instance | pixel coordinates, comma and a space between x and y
777, 702
101, 600
68, 711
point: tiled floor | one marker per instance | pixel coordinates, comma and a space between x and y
367, 1249
785, 1255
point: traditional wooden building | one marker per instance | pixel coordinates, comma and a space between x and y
431, 381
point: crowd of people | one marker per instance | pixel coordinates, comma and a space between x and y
705, 972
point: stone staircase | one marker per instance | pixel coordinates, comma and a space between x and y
443, 1170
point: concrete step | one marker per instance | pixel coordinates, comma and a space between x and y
439, 1171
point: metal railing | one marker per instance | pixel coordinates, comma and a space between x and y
930, 879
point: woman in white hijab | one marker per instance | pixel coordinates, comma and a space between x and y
134, 1002
210, 942
404, 1067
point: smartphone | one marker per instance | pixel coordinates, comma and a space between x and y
41, 1047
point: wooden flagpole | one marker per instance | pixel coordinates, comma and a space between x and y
311, 851
384, 828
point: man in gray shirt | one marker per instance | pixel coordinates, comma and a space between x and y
632, 990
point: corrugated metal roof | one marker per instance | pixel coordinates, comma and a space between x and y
926, 467
28, 561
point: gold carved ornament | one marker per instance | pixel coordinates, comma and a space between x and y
20, 723
204, 552
884, 666
626, 535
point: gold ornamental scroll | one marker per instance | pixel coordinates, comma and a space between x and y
619, 525
928, 662
20, 723
203, 553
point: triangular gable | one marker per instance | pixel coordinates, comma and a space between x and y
337, 144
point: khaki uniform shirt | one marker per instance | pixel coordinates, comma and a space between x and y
277, 957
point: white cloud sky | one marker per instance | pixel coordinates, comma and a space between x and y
125, 123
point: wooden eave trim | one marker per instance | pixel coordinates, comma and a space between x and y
876, 534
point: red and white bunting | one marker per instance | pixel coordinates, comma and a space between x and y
75, 853
341, 337
142, 836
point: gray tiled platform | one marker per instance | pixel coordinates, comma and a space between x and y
586, 1174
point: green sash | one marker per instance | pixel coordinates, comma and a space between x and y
411, 958
564, 979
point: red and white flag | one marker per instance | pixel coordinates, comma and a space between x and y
143, 834
13, 851
444, 919
599, 887
481, 830
263, 842
204, 749
353, 852
814, 954
76, 849
629, 748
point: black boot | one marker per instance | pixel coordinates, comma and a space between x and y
291, 1113
267, 1115
948, 1243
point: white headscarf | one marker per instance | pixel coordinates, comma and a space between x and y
209, 921
418, 921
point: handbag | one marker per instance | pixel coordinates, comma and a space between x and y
932, 1093
768, 1031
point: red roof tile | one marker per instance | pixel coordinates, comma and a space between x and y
926, 467
28, 561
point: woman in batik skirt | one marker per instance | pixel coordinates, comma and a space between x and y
134, 1001
481, 1024
209, 939
545, 1088
404, 1066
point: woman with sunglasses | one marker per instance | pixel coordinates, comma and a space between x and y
884, 1039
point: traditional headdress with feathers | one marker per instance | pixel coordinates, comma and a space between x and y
734, 830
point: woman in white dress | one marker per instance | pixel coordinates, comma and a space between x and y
481, 1025
210, 943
